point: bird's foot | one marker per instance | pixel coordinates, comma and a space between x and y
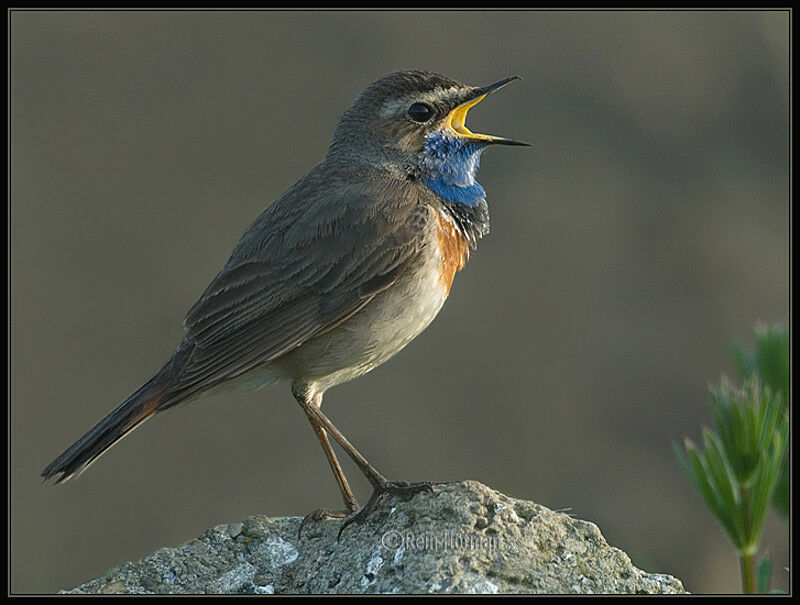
379, 490
322, 513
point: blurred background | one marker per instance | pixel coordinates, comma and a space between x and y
645, 229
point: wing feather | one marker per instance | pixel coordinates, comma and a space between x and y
306, 264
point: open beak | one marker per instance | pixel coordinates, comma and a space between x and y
456, 119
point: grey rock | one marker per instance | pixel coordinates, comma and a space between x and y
461, 538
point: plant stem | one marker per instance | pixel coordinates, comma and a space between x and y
747, 560
747, 554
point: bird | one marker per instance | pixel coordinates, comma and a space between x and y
335, 276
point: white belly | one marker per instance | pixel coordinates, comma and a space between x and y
384, 326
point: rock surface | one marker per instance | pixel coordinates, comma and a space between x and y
461, 538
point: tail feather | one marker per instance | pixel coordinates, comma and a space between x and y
127, 416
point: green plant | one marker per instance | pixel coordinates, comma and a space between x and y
770, 362
739, 469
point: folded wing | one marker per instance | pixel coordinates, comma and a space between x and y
304, 266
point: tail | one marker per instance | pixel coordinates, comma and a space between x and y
127, 416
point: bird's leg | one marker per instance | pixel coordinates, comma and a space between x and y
350, 502
380, 484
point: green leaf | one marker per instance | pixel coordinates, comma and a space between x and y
725, 487
772, 357
764, 574
743, 360
781, 498
766, 479
713, 487
769, 360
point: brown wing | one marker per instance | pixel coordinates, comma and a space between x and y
306, 264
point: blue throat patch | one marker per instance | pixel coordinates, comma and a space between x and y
450, 166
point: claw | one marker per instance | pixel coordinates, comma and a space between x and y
390, 487
320, 514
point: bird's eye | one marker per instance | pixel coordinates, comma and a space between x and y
420, 112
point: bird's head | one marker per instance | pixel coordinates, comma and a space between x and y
413, 122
